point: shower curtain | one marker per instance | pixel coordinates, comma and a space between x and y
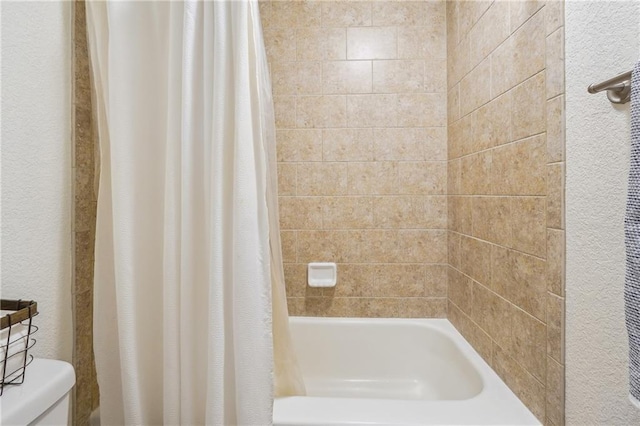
190, 316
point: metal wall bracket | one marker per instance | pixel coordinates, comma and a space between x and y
618, 88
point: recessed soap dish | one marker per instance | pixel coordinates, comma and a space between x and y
322, 274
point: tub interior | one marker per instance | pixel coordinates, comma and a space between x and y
366, 359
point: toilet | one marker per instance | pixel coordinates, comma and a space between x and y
43, 399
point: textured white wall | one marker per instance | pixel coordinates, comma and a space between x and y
36, 166
602, 40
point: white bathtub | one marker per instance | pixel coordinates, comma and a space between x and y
394, 372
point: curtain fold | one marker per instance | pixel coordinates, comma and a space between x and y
190, 316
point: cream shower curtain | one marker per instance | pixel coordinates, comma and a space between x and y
190, 317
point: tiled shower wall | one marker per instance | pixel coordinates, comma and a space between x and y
84, 165
505, 186
360, 99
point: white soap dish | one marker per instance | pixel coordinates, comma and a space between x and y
322, 274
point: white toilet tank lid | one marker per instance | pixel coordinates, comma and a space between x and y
46, 382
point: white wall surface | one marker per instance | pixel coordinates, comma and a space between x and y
602, 40
36, 166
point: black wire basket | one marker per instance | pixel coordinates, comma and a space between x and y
17, 331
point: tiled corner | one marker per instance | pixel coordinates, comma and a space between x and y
506, 191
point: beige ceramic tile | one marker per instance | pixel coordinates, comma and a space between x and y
372, 110
555, 327
518, 168
555, 197
295, 278
460, 290
377, 246
299, 145
463, 143
343, 307
475, 259
286, 179
452, 15
555, 393
476, 87
521, 279
295, 306
422, 177
527, 284
453, 177
300, 212
381, 307
370, 178
346, 77
308, 78
428, 307
555, 63
427, 42
265, 13
316, 43
509, 64
492, 123
397, 76
289, 14
285, 111
346, 13
348, 212
555, 129
284, 77
388, 13
410, 212
522, 10
491, 218
491, 30
453, 104
459, 63
475, 174
355, 280
347, 145
84, 147
529, 225
85, 215
501, 270
555, 261
280, 44
436, 278
372, 43
460, 214
470, 13
453, 241
529, 347
480, 340
83, 261
422, 109
399, 280
324, 246
521, 382
399, 143
493, 314
288, 240
322, 178
283, 14
422, 246
528, 112
84, 183
321, 111
554, 15
435, 75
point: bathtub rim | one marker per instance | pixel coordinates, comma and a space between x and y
495, 404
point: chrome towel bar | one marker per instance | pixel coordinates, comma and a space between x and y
618, 88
